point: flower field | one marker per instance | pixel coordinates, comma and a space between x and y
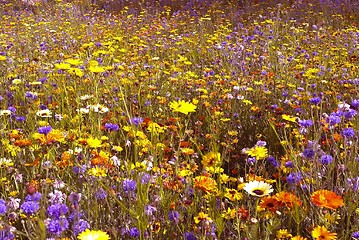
179, 120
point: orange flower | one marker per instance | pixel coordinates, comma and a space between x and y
270, 203
287, 199
206, 184
320, 232
327, 199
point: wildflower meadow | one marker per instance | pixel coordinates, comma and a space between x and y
174, 119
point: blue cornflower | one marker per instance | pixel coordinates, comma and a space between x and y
30, 207
355, 235
2, 207
289, 164
348, 132
134, 232
57, 226
136, 120
355, 103
129, 185
55, 211
101, 194
350, 114
111, 127
33, 197
6, 234
44, 130
74, 198
315, 100
333, 119
294, 177
308, 153
326, 159
305, 123
149, 210
174, 216
145, 178
80, 226
190, 236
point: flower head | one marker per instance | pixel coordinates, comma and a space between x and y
320, 232
259, 152
327, 199
93, 235
258, 188
182, 107
206, 184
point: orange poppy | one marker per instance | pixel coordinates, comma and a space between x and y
327, 199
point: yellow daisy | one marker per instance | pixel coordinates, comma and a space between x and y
93, 235
182, 107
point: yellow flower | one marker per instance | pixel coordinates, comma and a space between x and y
229, 213
211, 159
206, 184
283, 234
93, 235
97, 172
62, 66
182, 107
259, 152
94, 142
96, 69
320, 232
200, 217
289, 118
74, 62
298, 238
155, 128
233, 194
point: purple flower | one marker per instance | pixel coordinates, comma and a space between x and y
174, 216
355, 235
294, 177
55, 211
30, 207
44, 130
350, 114
289, 164
80, 226
315, 100
111, 127
6, 233
145, 178
305, 123
136, 121
149, 210
190, 236
57, 226
348, 132
33, 197
355, 103
3, 207
333, 119
74, 198
134, 232
326, 159
308, 153
129, 185
101, 194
